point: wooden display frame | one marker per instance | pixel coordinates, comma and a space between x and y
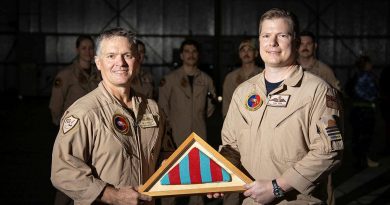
153, 188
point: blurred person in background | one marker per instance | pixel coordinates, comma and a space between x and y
75, 80
143, 81
364, 91
186, 96
71, 83
308, 60
248, 53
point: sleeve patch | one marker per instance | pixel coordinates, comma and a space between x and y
337, 145
69, 123
332, 132
331, 102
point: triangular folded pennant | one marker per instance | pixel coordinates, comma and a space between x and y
195, 168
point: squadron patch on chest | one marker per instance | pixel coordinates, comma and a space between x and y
69, 123
121, 123
253, 102
278, 100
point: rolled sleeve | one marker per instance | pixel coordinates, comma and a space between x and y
299, 182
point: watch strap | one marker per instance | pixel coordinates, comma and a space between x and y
278, 191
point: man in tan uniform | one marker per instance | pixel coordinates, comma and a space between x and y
186, 96
248, 54
309, 62
143, 81
284, 122
110, 139
74, 81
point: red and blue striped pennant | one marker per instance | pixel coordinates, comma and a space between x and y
195, 168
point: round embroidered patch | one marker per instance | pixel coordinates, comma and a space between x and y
254, 102
121, 123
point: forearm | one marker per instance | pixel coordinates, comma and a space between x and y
286, 187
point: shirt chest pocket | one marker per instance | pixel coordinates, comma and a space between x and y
296, 111
290, 133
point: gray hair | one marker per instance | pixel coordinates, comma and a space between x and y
115, 32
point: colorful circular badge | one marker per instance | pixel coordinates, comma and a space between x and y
253, 102
121, 123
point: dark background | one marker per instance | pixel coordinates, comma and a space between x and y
38, 38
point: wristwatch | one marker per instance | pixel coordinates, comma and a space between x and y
278, 192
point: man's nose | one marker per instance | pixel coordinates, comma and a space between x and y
273, 41
120, 60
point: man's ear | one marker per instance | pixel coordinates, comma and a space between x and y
97, 62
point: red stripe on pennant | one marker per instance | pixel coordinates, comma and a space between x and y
216, 172
174, 175
194, 162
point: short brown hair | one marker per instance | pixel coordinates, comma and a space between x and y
292, 20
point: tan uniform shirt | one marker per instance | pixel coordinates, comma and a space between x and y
143, 84
232, 80
293, 133
99, 142
69, 85
186, 108
325, 72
